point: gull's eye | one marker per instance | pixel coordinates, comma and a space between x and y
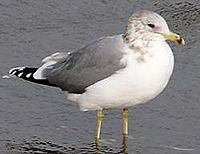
151, 25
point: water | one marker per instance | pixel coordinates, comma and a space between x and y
38, 119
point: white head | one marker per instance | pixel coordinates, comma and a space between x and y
148, 25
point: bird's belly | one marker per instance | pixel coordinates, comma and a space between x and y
122, 92
128, 87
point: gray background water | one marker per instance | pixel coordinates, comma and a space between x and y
38, 119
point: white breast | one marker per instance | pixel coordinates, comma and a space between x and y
139, 82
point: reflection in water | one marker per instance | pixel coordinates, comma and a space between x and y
38, 146
100, 148
124, 148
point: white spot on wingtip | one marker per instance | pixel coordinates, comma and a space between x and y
13, 72
16, 68
20, 74
28, 75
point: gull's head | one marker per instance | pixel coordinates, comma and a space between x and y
148, 25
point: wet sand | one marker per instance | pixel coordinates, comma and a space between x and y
39, 119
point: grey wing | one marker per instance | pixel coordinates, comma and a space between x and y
82, 68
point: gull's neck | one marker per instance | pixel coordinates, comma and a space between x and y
140, 40
136, 39
139, 43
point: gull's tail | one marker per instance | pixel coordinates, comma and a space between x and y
39, 75
27, 73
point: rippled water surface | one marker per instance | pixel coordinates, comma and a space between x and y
38, 119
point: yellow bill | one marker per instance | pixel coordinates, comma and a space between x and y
174, 37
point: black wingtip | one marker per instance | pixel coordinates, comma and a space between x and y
23, 72
27, 73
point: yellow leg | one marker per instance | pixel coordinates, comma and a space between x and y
125, 122
99, 121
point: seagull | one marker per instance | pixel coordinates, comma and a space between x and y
117, 71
